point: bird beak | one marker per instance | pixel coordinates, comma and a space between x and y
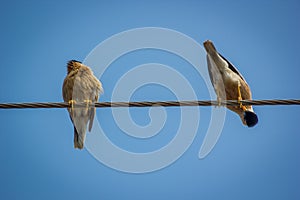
209, 47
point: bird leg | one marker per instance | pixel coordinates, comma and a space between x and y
240, 97
71, 104
88, 102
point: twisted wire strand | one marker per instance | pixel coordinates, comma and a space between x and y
150, 103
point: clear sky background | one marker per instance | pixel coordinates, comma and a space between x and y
37, 158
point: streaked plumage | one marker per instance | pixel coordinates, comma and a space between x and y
80, 85
226, 79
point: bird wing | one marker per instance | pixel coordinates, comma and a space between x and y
216, 78
92, 114
232, 68
212, 71
67, 91
95, 92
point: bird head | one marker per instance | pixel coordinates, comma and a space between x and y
73, 65
250, 118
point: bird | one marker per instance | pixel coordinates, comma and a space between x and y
80, 85
229, 84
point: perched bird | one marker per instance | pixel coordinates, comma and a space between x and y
80, 85
229, 84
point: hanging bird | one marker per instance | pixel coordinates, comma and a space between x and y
229, 84
80, 85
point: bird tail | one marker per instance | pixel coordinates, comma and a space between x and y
250, 118
79, 139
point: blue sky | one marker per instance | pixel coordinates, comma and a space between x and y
37, 156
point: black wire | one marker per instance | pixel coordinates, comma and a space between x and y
150, 103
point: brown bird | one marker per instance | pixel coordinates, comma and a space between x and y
80, 85
229, 84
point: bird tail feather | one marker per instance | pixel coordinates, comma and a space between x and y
78, 139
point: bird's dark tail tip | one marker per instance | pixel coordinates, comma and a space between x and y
78, 142
250, 118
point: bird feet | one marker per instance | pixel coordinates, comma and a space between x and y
71, 103
88, 102
240, 97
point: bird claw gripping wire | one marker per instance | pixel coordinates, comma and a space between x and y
71, 103
88, 103
240, 97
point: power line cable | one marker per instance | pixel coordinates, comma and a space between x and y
150, 103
